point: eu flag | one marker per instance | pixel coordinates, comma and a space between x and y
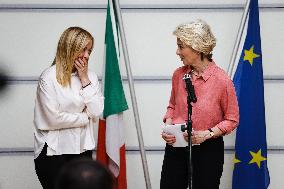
250, 161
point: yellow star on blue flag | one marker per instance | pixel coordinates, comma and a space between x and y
256, 158
251, 147
235, 160
250, 55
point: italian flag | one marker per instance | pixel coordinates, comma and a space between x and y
111, 145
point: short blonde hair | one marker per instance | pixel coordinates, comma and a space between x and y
71, 43
197, 35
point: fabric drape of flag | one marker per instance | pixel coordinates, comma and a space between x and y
250, 162
111, 145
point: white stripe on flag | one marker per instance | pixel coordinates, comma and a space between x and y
114, 140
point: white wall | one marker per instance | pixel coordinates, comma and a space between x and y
29, 33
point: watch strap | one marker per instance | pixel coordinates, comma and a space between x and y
211, 132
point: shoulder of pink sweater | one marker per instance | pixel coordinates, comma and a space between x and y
180, 70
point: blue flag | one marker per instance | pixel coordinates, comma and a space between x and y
250, 161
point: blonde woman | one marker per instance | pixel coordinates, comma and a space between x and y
215, 113
68, 101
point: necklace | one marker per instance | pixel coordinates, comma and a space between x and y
194, 73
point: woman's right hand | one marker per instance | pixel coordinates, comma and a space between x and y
170, 139
81, 65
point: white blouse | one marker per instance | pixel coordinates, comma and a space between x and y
64, 117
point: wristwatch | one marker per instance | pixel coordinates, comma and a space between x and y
211, 132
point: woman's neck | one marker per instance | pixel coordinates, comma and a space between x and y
199, 68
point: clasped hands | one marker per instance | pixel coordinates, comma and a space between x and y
197, 137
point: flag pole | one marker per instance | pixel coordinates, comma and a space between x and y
132, 93
238, 40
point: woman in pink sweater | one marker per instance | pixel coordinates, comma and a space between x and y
215, 114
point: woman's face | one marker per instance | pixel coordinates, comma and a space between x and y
85, 54
187, 55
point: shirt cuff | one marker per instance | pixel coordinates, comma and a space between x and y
227, 126
88, 91
169, 114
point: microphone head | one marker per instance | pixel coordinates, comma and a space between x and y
189, 87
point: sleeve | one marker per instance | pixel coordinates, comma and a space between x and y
46, 113
93, 97
230, 108
171, 106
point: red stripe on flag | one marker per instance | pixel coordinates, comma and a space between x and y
121, 179
102, 156
101, 146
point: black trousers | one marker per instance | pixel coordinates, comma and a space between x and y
47, 167
207, 162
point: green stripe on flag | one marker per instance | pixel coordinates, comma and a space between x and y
115, 101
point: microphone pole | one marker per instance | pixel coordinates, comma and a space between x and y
190, 98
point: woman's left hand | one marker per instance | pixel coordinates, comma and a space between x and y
197, 136
81, 65
200, 136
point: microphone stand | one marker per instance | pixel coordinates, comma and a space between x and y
190, 98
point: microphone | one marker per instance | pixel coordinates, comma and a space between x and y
189, 87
